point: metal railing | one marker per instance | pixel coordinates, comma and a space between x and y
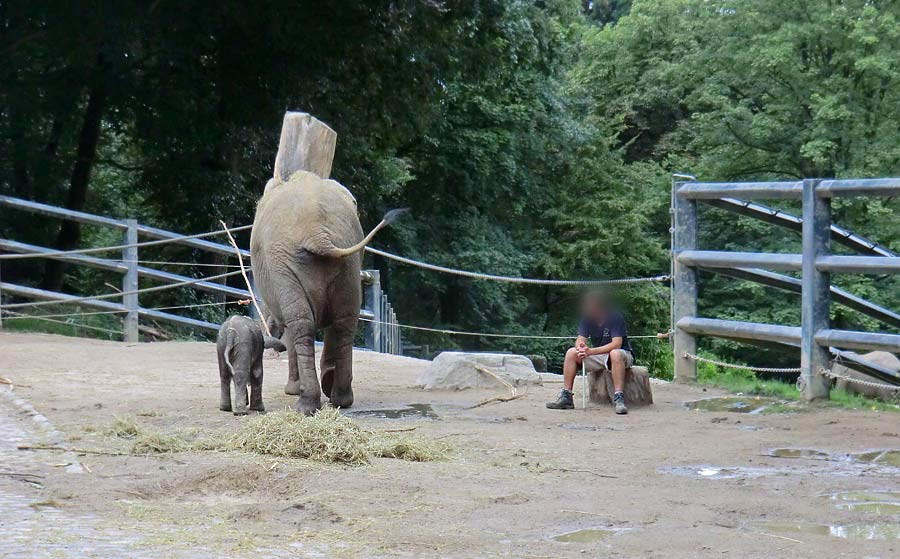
380, 337
815, 338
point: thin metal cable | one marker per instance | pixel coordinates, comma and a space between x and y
120, 294
164, 263
509, 279
123, 311
117, 247
742, 367
482, 334
72, 324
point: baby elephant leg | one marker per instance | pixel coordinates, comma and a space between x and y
241, 378
256, 382
225, 384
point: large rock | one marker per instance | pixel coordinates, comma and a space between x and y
453, 370
882, 358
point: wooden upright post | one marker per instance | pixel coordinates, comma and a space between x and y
307, 144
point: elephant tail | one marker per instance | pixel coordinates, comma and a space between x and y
231, 340
388, 218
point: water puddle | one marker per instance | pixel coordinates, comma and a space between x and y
876, 531
716, 472
809, 453
587, 535
751, 406
412, 411
880, 509
879, 503
889, 458
867, 496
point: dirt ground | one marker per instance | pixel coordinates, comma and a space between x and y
663, 481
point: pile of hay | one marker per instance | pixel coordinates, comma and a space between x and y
124, 427
156, 443
327, 436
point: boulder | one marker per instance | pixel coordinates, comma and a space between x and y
882, 358
637, 386
453, 370
539, 362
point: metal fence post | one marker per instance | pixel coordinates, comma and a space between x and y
1, 297
373, 303
130, 282
684, 282
816, 291
386, 328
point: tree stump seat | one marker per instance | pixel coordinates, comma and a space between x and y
637, 386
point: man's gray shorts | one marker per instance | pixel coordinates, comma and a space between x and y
594, 363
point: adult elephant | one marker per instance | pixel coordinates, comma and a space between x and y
306, 252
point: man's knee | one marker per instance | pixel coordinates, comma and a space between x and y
572, 354
617, 356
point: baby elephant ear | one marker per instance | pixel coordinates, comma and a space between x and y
270, 184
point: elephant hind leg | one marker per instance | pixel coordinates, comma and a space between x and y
337, 362
256, 382
224, 384
301, 337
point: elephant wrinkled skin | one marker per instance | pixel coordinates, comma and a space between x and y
306, 253
240, 351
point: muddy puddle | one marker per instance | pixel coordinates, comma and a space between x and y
878, 503
871, 531
809, 453
586, 535
885, 458
716, 472
741, 404
411, 411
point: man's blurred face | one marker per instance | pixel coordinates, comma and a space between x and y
594, 306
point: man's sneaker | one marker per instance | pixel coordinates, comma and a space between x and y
563, 401
619, 400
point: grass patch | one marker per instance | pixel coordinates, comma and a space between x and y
124, 427
739, 380
328, 436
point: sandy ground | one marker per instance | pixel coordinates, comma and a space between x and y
520, 474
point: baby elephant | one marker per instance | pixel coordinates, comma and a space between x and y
240, 348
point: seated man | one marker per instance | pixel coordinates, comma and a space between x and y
605, 328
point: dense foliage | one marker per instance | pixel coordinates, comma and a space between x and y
529, 138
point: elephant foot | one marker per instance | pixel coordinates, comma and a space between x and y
342, 398
258, 407
225, 407
292, 387
327, 382
308, 406
241, 412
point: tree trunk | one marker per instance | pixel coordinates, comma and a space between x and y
88, 139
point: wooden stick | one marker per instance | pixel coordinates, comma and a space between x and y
779, 537
262, 317
498, 399
587, 472
97, 452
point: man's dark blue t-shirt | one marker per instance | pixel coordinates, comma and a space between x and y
602, 333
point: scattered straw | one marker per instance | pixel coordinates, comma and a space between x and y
150, 443
124, 427
328, 436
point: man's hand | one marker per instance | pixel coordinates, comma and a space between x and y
581, 350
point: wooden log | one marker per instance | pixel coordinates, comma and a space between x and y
637, 387
307, 144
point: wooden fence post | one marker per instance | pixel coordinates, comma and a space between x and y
373, 302
130, 282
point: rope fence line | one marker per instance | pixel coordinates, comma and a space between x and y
125, 311
835, 376
483, 334
510, 279
121, 293
687, 355
16, 315
19, 256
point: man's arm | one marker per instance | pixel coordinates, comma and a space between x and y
616, 343
581, 346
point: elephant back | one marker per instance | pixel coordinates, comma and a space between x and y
306, 212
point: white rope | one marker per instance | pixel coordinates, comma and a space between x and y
828, 374
19, 256
481, 334
121, 293
509, 279
742, 367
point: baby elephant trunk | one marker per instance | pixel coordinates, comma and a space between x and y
270, 342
